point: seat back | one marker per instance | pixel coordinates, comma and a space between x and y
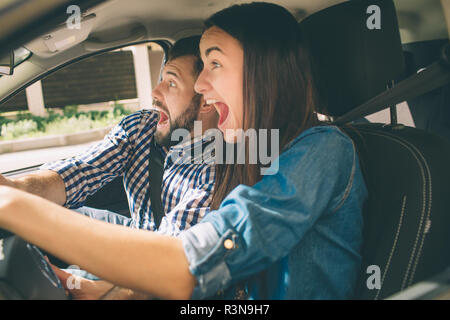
406, 218
406, 223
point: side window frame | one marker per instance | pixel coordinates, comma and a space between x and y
164, 44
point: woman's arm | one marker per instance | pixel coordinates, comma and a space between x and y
259, 225
136, 259
253, 228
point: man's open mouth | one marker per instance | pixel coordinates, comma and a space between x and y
163, 117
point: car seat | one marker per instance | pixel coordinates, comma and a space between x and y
406, 219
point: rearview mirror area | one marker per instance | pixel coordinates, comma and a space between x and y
10, 62
7, 64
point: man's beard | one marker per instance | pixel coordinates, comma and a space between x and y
185, 121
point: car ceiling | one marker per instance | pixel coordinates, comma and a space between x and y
419, 19
175, 18
125, 21
116, 21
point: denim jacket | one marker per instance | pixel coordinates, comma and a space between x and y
296, 234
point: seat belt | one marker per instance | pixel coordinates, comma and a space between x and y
433, 77
156, 171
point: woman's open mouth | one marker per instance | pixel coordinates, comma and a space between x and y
222, 109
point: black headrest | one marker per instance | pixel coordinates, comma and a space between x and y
353, 60
421, 54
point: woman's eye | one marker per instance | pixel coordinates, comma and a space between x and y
215, 65
172, 84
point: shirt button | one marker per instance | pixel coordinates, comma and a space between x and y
228, 244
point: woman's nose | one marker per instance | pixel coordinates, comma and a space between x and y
202, 85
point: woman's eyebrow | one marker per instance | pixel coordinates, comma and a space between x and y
208, 51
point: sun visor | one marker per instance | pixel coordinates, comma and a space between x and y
62, 38
356, 51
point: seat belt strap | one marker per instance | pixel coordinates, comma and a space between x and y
156, 171
433, 77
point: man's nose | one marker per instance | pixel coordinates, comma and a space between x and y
157, 94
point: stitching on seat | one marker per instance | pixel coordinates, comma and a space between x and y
394, 245
422, 232
428, 218
405, 144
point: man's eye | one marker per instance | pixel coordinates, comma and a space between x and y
172, 84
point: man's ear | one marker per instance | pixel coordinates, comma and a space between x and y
205, 108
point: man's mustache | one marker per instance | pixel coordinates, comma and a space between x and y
159, 104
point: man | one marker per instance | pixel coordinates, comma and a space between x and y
186, 188
125, 151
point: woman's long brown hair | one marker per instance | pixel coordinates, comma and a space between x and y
278, 86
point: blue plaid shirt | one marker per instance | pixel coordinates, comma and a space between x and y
186, 190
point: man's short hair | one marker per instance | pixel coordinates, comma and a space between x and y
187, 47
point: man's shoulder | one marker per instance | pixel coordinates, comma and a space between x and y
139, 122
143, 117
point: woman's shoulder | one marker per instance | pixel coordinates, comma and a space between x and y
321, 136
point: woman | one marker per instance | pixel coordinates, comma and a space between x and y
301, 226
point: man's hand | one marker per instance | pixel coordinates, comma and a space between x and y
80, 288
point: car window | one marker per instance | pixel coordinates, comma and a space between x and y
68, 110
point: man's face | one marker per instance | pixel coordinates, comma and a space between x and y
174, 97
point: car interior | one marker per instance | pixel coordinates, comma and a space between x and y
358, 71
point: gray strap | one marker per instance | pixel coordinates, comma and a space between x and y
433, 77
156, 170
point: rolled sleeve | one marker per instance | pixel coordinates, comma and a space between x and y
87, 172
204, 248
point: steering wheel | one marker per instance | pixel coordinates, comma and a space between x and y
24, 272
